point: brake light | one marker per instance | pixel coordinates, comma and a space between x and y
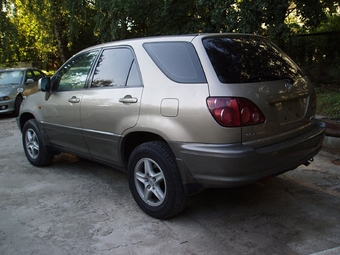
234, 112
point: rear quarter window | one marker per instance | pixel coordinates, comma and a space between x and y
177, 60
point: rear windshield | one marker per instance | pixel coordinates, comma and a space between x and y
249, 59
177, 60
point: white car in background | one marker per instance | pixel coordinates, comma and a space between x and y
15, 84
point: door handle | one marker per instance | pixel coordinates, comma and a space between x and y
74, 100
128, 99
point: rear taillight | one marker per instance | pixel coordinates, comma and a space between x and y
235, 112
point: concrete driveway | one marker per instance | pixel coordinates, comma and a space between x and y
79, 207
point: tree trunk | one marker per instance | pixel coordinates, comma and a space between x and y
61, 41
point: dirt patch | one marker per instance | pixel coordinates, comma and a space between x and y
7, 129
336, 162
75, 206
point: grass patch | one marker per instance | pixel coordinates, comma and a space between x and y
328, 102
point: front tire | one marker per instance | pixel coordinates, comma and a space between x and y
155, 181
17, 105
34, 144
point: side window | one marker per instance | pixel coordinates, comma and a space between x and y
116, 68
134, 77
29, 75
74, 73
177, 60
37, 75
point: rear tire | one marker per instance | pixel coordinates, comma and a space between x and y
34, 144
155, 181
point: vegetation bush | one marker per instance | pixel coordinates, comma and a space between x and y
51, 31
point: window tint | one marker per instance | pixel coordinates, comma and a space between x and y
134, 79
37, 75
116, 68
177, 60
34, 75
74, 73
29, 75
247, 59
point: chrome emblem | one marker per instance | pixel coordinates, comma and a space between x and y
288, 86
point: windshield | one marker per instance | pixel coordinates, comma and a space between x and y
249, 59
11, 77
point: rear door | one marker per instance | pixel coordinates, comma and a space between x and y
61, 112
111, 104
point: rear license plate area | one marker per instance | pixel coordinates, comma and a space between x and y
289, 111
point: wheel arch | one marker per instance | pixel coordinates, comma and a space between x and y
20, 95
132, 140
24, 118
17, 103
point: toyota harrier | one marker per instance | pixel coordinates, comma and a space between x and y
177, 113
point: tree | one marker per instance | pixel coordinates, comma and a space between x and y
66, 22
43, 29
59, 28
8, 35
117, 19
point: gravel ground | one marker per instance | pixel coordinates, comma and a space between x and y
75, 206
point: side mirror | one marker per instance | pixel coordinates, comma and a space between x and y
44, 84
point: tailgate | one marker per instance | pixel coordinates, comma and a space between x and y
288, 109
251, 67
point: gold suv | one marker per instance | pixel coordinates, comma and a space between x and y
177, 113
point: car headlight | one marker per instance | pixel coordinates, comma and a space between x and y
5, 98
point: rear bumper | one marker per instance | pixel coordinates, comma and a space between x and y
229, 165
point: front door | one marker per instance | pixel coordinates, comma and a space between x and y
61, 113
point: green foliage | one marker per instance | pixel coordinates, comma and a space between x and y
329, 45
319, 53
46, 30
8, 33
328, 102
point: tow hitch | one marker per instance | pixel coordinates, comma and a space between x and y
308, 161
